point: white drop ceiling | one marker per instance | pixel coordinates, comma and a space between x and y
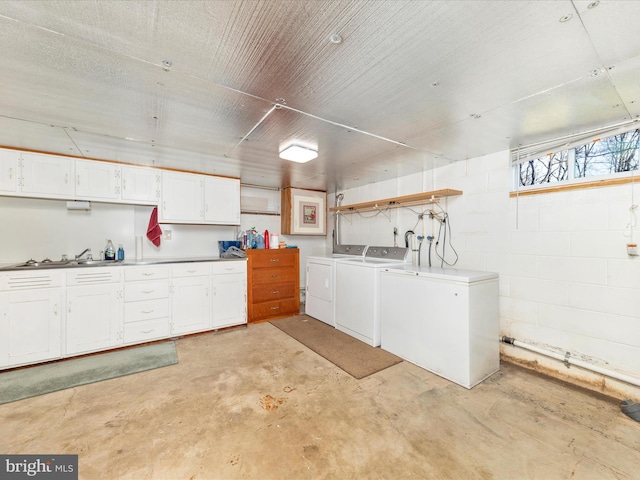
413, 85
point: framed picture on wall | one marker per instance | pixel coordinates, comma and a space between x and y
304, 212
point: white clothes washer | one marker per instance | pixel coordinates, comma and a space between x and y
320, 290
358, 291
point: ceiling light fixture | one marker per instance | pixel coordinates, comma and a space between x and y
298, 153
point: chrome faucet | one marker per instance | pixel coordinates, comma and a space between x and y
86, 250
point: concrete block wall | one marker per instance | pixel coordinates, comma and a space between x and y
566, 281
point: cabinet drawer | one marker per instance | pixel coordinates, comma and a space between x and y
271, 275
229, 266
88, 275
134, 292
146, 273
277, 260
275, 309
194, 269
146, 330
27, 280
274, 291
137, 311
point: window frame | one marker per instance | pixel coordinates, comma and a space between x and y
572, 182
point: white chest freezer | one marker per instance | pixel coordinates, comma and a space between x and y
444, 320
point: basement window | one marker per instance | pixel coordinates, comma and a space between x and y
599, 161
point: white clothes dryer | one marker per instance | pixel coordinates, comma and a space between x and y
321, 280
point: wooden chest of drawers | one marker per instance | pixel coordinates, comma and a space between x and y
273, 283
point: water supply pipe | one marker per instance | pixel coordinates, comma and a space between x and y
567, 359
336, 232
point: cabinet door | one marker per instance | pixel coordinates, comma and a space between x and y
97, 180
9, 171
48, 176
182, 200
190, 305
140, 185
94, 318
30, 326
229, 300
222, 200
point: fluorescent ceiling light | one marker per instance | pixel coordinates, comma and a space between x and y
298, 153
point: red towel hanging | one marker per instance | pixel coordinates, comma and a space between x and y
154, 232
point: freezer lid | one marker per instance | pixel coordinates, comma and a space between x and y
446, 273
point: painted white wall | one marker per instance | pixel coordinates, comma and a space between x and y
37, 228
566, 282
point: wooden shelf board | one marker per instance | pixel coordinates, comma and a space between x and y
395, 202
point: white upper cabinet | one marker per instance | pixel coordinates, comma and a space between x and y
97, 180
9, 161
222, 200
194, 198
140, 185
49, 176
182, 198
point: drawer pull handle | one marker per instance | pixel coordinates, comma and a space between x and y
275, 292
146, 331
275, 308
147, 311
191, 271
147, 291
275, 259
275, 276
148, 274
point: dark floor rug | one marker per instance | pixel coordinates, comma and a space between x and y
353, 356
41, 379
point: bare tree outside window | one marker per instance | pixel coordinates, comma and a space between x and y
615, 154
548, 169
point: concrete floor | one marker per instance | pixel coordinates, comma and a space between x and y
254, 403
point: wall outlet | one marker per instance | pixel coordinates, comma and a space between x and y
167, 234
632, 249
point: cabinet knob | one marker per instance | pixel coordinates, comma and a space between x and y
275, 292
275, 308
275, 259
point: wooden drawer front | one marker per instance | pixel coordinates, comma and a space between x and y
194, 269
147, 310
275, 309
272, 259
229, 266
146, 273
134, 292
146, 330
271, 275
274, 291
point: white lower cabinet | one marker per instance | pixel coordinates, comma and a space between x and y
111, 306
94, 310
30, 317
229, 294
146, 303
190, 302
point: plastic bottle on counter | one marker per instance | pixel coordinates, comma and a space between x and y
109, 251
266, 239
120, 253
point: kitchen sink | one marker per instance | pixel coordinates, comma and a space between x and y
95, 263
33, 265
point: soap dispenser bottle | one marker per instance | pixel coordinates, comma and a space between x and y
109, 251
